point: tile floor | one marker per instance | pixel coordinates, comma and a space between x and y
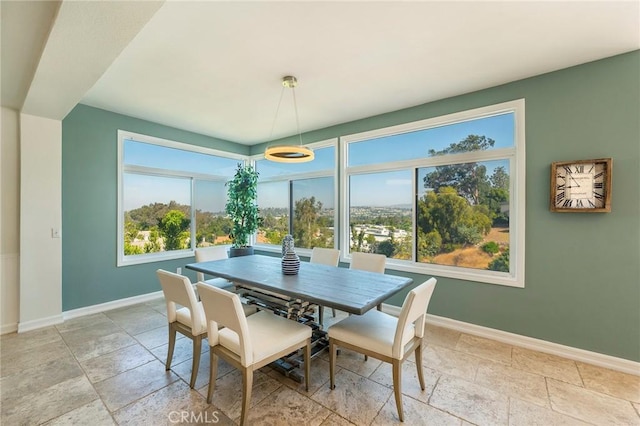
108, 368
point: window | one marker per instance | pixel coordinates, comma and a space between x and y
299, 199
442, 196
171, 198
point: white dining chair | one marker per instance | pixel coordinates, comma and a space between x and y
324, 256
213, 253
248, 343
188, 320
385, 337
371, 262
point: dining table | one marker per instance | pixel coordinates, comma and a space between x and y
259, 279
349, 290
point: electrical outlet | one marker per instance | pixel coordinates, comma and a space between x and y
179, 271
55, 233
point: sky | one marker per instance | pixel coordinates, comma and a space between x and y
379, 189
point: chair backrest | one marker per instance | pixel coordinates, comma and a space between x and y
414, 311
224, 309
368, 262
325, 256
209, 253
178, 289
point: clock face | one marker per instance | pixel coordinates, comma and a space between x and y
581, 186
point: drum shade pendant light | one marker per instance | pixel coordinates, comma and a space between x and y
289, 153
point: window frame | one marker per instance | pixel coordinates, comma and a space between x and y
122, 135
517, 188
310, 175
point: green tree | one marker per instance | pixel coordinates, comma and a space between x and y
500, 179
491, 248
429, 244
305, 221
495, 199
131, 228
500, 263
357, 238
154, 244
174, 228
211, 226
468, 179
442, 212
387, 247
130, 249
148, 216
404, 249
450, 215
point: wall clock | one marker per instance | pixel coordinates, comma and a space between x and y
581, 186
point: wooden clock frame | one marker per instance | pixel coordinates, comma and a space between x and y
606, 187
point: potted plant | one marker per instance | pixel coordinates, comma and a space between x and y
242, 209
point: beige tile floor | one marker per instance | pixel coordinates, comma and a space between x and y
108, 368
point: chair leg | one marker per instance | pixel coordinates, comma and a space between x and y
307, 364
321, 315
332, 364
397, 386
197, 348
213, 361
418, 356
247, 383
172, 344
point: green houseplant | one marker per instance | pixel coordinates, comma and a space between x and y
242, 208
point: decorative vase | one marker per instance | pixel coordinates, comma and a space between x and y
290, 263
290, 260
287, 243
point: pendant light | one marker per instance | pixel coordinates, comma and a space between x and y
289, 153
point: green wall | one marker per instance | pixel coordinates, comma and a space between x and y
582, 286
89, 215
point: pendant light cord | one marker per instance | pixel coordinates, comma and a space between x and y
295, 107
275, 118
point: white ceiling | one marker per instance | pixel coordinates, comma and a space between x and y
215, 67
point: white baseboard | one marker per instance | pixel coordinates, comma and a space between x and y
391, 309
102, 307
39, 323
594, 358
80, 312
